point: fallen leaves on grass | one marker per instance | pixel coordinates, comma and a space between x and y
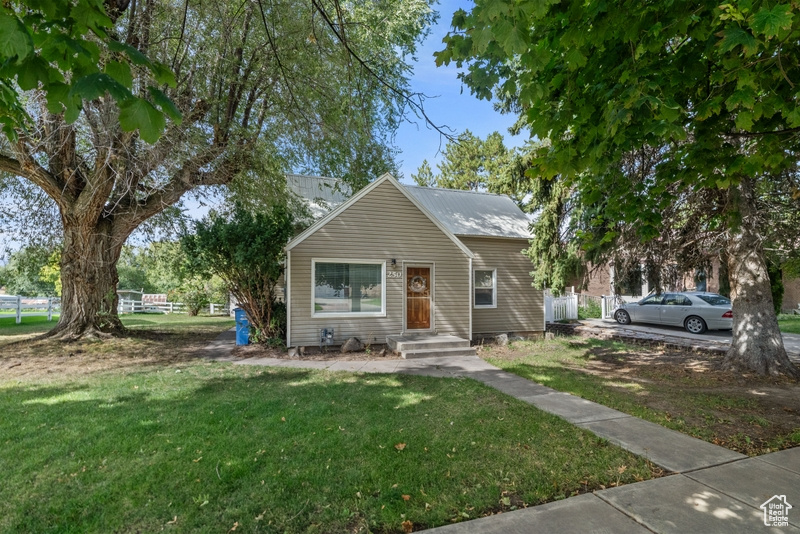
174, 520
400, 446
408, 526
406, 497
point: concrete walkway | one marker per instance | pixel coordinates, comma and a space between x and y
715, 490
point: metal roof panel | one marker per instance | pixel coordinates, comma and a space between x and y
471, 213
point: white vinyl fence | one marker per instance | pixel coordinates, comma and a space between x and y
584, 301
560, 308
19, 307
137, 306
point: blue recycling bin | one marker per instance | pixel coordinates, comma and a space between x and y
242, 327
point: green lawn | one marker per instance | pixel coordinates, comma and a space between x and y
208, 447
145, 321
682, 391
29, 325
789, 324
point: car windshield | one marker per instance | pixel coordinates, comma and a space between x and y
715, 300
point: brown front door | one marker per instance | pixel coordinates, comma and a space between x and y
418, 298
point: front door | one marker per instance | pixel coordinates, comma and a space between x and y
418, 298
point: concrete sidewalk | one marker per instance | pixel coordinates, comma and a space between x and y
715, 490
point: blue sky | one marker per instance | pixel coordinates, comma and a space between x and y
451, 107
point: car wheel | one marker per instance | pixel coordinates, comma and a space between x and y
622, 317
695, 325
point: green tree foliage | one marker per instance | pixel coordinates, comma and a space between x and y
708, 87
468, 163
22, 274
197, 292
253, 89
245, 250
471, 163
57, 46
155, 268
424, 176
463, 164
51, 271
776, 285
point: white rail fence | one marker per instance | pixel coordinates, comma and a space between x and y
560, 308
19, 307
584, 301
137, 306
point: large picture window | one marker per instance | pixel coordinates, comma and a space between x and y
348, 288
485, 284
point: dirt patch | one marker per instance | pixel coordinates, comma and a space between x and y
680, 389
43, 359
314, 353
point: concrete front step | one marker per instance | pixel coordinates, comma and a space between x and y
431, 353
429, 345
425, 341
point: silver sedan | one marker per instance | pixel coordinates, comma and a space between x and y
695, 311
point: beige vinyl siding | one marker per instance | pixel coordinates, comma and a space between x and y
382, 225
520, 307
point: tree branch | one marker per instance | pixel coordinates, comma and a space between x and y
27, 167
404, 96
188, 177
761, 134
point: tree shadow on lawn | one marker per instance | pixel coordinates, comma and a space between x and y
282, 450
617, 354
752, 415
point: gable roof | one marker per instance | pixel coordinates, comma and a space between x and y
471, 213
361, 194
464, 213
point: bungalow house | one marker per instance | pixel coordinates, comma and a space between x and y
394, 260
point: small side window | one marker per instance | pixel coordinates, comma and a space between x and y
485, 288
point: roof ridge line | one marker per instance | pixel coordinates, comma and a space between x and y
434, 188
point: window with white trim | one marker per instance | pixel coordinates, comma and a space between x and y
485, 288
348, 289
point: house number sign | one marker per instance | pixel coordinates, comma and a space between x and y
394, 274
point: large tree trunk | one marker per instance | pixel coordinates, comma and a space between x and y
89, 281
757, 344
